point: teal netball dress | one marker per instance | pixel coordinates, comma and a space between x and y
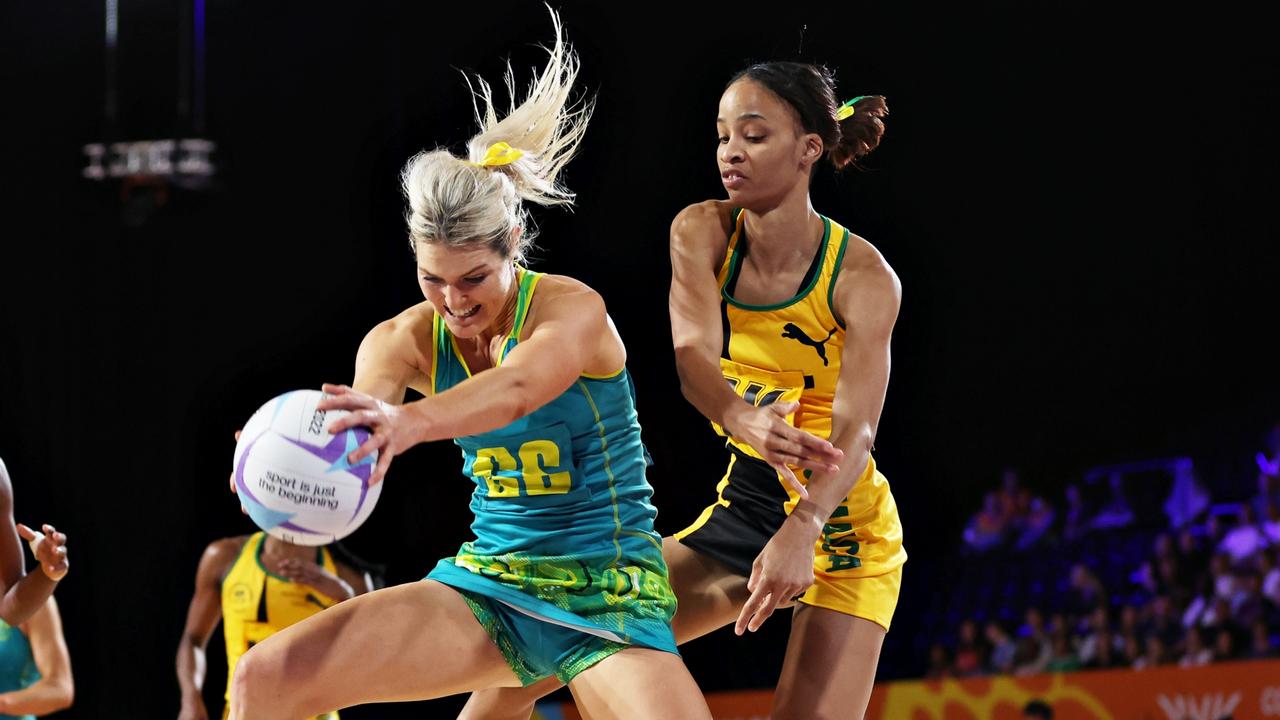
17, 666
565, 568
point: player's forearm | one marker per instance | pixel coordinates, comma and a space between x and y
702, 383
492, 399
191, 669
47, 695
26, 597
828, 490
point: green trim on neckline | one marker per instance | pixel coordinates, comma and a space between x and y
822, 253
835, 272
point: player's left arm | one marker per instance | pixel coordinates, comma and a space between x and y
566, 338
866, 298
55, 689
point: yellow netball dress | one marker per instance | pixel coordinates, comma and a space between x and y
791, 352
257, 603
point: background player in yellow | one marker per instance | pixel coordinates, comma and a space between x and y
256, 585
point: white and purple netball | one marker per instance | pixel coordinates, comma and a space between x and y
293, 476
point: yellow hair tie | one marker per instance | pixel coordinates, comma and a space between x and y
845, 111
499, 154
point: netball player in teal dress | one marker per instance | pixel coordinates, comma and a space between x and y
526, 372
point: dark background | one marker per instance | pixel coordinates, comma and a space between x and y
1079, 204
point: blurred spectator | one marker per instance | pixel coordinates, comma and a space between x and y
939, 663
1270, 570
1086, 593
1218, 615
970, 654
1271, 522
1003, 648
1034, 649
1129, 620
1104, 654
1037, 710
1063, 658
1268, 493
1224, 645
1116, 513
1192, 558
1075, 521
1269, 457
1196, 653
1153, 653
1164, 621
1015, 500
1039, 519
1096, 637
986, 529
1246, 539
1260, 640
1132, 649
1187, 497
1224, 578
1246, 605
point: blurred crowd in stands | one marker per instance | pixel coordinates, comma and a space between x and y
1103, 585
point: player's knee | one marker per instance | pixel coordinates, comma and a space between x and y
255, 688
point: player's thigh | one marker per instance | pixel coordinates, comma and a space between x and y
507, 703
708, 594
379, 647
639, 683
830, 666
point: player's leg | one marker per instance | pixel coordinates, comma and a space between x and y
639, 683
380, 647
830, 667
708, 596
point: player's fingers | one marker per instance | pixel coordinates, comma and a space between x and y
380, 469
59, 539
335, 389
811, 445
232, 480
792, 480
764, 611
748, 609
375, 443
783, 409
27, 533
237, 434
244, 510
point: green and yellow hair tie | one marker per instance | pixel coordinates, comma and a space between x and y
499, 154
845, 111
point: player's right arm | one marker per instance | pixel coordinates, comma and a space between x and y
393, 358
203, 615
22, 593
699, 240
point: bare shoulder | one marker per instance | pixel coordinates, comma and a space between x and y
564, 291
701, 222
412, 323
6, 487
402, 340
867, 287
865, 264
220, 554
